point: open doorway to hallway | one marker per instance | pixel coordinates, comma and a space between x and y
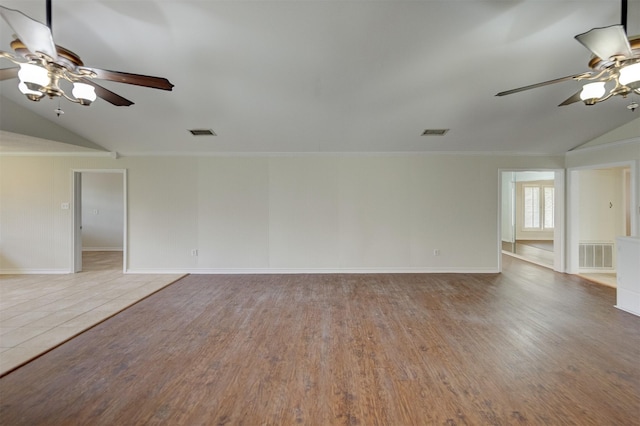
99, 220
529, 212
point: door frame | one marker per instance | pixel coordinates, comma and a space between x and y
76, 217
573, 207
559, 215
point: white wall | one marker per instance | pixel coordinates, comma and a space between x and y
102, 211
271, 214
508, 204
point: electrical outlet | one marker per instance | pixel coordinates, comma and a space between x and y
436, 252
64, 206
194, 252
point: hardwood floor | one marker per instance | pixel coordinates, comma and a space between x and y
538, 252
101, 261
528, 346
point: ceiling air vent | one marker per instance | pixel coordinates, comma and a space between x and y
202, 132
435, 132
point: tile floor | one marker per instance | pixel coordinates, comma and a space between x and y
38, 312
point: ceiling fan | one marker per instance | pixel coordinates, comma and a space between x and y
615, 62
43, 65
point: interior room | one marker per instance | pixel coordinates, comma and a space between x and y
605, 214
319, 212
528, 215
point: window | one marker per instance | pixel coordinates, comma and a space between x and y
538, 207
532, 207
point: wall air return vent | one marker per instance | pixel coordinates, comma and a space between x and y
202, 132
595, 255
435, 132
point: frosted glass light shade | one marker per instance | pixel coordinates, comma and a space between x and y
592, 91
630, 75
34, 95
26, 91
85, 93
33, 76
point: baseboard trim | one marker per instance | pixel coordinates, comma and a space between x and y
627, 310
33, 271
596, 271
487, 270
264, 271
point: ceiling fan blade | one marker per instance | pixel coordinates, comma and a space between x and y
606, 42
137, 79
7, 73
35, 35
572, 99
544, 83
107, 95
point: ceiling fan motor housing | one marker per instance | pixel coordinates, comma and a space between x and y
598, 64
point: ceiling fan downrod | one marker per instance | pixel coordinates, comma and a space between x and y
49, 15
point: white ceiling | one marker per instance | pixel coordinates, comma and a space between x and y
331, 76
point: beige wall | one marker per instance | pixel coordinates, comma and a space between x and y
621, 153
618, 153
601, 202
261, 214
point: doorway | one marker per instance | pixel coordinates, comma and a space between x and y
531, 216
601, 202
99, 217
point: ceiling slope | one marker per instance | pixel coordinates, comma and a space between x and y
330, 76
22, 130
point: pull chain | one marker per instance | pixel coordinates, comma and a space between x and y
59, 110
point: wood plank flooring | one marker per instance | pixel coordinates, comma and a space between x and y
528, 346
538, 252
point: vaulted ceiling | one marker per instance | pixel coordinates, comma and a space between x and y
326, 76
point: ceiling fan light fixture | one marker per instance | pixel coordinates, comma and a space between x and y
591, 92
85, 93
33, 95
33, 76
630, 76
48, 64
